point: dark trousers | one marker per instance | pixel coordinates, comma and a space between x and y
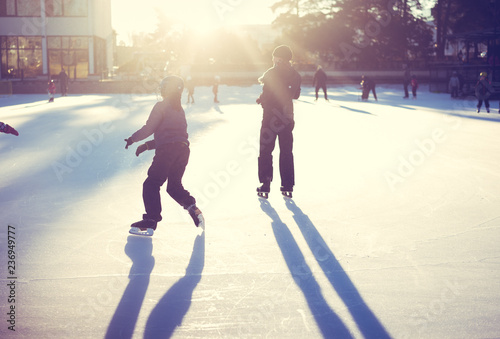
486, 103
405, 86
169, 163
277, 125
323, 87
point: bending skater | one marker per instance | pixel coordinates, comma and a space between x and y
281, 84
367, 85
167, 121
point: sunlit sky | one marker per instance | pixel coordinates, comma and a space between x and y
133, 16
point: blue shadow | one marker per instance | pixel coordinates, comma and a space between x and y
140, 250
366, 321
330, 325
174, 305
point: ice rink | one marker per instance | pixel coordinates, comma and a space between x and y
393, 231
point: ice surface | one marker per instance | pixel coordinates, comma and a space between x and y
393, 230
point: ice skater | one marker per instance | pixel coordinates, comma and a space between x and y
51, 90
281, 84
190, 89
406, 80
483, 92
215, 88
5, 128
367, 85
319, 81
454, 85
167, 121
414, 85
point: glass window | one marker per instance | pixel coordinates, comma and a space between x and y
30, 42
75, 7
79, 42
28, 8
11, 42
65, 42
7, 7
53, 7
54, 42
30, 62
55, 64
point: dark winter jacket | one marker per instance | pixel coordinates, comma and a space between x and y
167, 123
483, 89
319, 78
281, 86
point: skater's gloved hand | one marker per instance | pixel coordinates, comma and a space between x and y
140, 149
8, 129
258, 101
129, 142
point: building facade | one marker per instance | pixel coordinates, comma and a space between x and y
39, 38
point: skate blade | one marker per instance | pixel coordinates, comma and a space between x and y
201, 223
148, 232
286, 194
263, 195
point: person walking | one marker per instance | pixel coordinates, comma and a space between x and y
454, 85
319, 81
63, 82
281, 84
483, 92
406, 81
167, 121
367, 85
414, 85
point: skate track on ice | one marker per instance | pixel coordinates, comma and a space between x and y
393, 230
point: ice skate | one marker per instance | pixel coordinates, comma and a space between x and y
145, 227
263, 191
286, 191
197, 216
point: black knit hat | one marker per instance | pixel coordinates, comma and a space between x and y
283, 52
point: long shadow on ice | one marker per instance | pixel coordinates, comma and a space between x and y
140, 250
366, 321
330, 325
174, 305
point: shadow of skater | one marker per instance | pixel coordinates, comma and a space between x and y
366, 321
330, 325
174, 305
122, 324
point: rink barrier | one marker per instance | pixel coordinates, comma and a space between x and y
5, 88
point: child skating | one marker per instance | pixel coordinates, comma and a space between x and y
51, 90
167, 121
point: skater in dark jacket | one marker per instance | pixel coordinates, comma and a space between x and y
319, 81
367, 85
483, 92
167, 121
281, 84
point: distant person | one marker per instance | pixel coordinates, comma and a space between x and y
63, 82
215, 88
319, 81
281, 84
454, 85
190, 89
406, 81
167, 122
5, 128
414, 85
483, 92
367, 85
51, 90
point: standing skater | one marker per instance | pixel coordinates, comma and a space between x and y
367, 85
215, 88
4, 128
167, 121
319, 81
414, 86
483, 92
406, 81
63, 81
281, 84
454, 84
51, 90
190, 89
